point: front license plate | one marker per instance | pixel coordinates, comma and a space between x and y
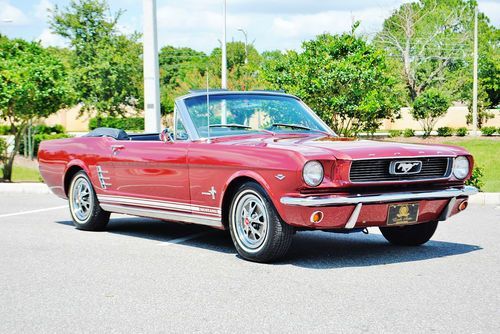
400, 214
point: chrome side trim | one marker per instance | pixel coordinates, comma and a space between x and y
161, 214
158, 204
354, 216
377, 198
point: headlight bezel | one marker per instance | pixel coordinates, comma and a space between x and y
461, 172
308, 166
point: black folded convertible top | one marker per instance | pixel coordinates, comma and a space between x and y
117, 134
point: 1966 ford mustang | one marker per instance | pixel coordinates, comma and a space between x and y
262, 165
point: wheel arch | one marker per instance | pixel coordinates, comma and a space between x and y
71, 170
232, 186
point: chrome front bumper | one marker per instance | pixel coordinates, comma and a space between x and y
359, 200
377, 198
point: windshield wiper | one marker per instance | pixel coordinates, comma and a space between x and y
231, 125
298, 126
292, 126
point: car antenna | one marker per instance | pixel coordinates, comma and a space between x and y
208, 112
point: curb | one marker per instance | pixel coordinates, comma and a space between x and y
24, 188
485, 199
41, 188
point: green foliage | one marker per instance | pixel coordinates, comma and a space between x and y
107, 66
39, 137
128, 123
342, 78
476, 178
462, 131
44, 129
488, 130
409, 133
4, 130
3, 152
428, 107
33, 85
428, 40
395, 133
445, 131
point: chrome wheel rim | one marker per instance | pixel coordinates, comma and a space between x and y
251, 221
81, 199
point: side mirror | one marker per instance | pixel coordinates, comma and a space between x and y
166, 136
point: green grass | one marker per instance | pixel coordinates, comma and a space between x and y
24, 174
486, 155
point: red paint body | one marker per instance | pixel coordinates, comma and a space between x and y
180, 172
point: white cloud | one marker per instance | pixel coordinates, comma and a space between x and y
12, 15
47, 38
42, 9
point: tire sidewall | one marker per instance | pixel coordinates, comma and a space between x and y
259, 192
76, 220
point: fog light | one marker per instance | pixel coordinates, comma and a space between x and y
316, 217
463, 206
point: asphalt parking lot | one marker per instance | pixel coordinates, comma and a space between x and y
144, 275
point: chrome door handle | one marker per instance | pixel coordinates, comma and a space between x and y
115, 148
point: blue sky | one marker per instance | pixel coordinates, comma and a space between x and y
271, 24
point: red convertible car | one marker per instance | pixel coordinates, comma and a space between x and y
262, 165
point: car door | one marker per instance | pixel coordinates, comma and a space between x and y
150, 174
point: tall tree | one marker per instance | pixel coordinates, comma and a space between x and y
107, 65
342, 78
33, 85
428, 38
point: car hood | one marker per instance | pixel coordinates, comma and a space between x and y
345, 148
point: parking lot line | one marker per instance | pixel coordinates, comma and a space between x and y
182, 239
32, 211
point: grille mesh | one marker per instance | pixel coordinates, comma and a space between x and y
374, 170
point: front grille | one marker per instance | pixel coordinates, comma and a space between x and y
377, 170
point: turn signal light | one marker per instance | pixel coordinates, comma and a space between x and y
463, 205
316, 217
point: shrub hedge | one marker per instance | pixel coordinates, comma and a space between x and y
409, 133
445, 131
488, 130
462, 131
129, 123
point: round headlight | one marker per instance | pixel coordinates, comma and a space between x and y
313, 173
461, 167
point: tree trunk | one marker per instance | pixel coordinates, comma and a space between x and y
7, 168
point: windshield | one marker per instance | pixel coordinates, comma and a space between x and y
236, 114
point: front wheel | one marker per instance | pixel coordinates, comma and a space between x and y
410, 235
83, 205
257, 231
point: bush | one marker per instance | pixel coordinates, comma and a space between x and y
476, 178
445, 131
395, 133
488, 130
4, 130
461, 132
409, 133
38, 138
129, 123
44, 129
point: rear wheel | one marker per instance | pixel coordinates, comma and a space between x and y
83, 205
410, 235
257, 231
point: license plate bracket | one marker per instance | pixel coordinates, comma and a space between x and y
402, 213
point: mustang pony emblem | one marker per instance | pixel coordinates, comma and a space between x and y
405, 167
212, 192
